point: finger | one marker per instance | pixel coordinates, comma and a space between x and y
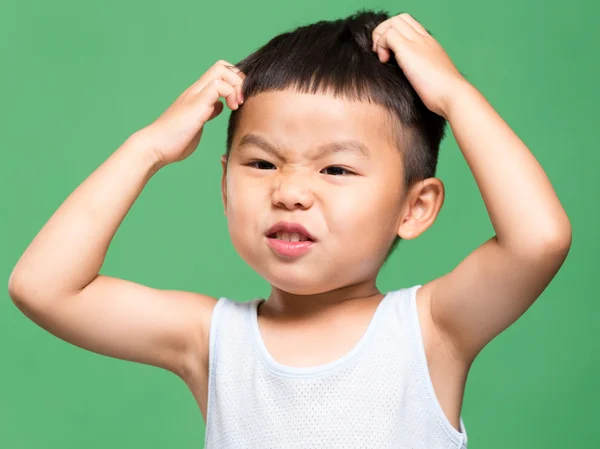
234, 69
207, 99
218, 70
413, 22
206, 77
238, 71
379, 30
394, 22
215, 90
236, 81
222, 72
405, 28
235, 77
231, 95
389, 40
218, 109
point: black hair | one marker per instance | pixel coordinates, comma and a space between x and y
336, 56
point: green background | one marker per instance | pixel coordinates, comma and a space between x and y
78, 78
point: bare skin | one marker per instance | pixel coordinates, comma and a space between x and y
355, 218
447, 374
169, 329
336, 301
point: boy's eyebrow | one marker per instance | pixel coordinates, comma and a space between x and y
352, 146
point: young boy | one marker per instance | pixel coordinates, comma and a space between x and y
329, 162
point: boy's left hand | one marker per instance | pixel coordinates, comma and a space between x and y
422, 59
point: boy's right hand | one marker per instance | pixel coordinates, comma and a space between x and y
177, 132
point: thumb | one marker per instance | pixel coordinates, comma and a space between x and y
218, 109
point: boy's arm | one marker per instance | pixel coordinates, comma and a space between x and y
496, 283
501, 279
56, 281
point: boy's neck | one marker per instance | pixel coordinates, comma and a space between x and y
285, 305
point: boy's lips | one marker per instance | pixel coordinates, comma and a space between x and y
289, 249
290, 228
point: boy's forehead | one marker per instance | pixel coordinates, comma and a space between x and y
348, 146
290, 103
305, 121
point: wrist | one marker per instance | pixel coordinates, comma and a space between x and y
461, 92
142, 147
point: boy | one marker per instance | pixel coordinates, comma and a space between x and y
329, 163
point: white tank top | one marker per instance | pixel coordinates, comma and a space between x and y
378, 395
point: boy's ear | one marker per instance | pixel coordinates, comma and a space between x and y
224, 182
422, 206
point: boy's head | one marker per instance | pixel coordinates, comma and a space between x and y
319, 84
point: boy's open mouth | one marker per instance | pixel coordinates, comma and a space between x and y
290, 232
289, 237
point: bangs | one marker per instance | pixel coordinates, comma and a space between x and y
336, 58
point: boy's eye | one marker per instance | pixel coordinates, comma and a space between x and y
258, 164
255, 163
338, 169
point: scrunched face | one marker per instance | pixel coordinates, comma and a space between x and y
322, 162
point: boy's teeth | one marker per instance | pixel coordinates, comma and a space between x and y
291, 237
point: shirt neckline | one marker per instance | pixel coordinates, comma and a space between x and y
308, 371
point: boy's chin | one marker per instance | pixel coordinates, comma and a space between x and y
300, 290
297, 284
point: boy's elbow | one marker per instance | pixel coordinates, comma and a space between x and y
13, 287
24, 297
24, 293
555, 241
560, 241
17, 289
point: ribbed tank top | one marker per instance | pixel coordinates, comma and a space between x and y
378, 395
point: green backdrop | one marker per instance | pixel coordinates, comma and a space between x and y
78, 78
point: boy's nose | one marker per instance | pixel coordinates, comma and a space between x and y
292, 193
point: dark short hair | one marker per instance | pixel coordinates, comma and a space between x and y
336, 57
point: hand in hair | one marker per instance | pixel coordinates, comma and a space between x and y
424, 62
177, 132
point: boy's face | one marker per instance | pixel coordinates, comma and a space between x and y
354, 217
